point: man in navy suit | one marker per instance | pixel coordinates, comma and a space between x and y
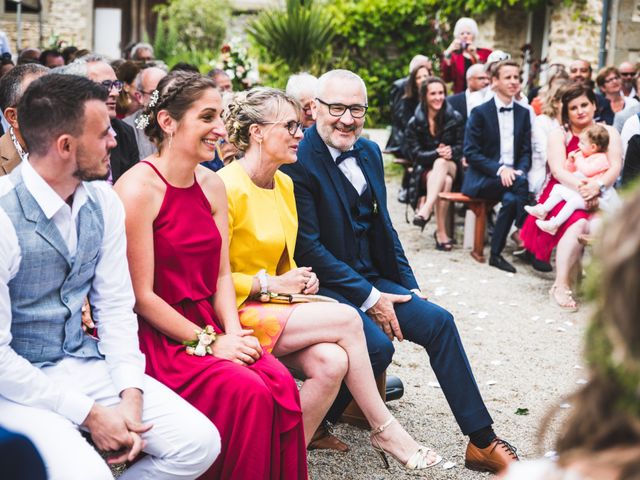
477, 81
345, 234
497, 146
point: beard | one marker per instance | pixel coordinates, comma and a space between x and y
87, 170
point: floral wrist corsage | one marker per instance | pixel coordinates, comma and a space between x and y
202, 346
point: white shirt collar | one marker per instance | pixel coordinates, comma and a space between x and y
335, 152
45, 196
500, 104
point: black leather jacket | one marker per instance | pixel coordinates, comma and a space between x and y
401, 111
420, 146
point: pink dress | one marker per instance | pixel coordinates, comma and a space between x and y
540, 243
255, 408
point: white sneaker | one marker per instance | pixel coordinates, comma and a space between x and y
537, 211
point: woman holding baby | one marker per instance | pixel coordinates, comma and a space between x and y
578, 109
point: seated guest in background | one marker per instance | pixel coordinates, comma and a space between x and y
69, 54
125, 154
29, 55
580, 72
610, 85
222, 80
339, 186
477, 81
549, 119
631, 169
323, 340
461, 54
404, 99
499, 158
142, 52
434, 140
185, 67
6, 64
600, 437
555, 74
55, 379
302, 87
630, 128
51, 58
628, 73
177, 244
126, 72
12, 86
145, 83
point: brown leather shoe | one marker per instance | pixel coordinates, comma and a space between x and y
324, 439
493, 459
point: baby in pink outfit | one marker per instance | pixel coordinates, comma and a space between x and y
589, 162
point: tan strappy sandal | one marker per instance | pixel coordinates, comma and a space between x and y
567, 302
418, 461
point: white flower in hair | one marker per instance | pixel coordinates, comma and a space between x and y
142, 121
154, 98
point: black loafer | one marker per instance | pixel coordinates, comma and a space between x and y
498, 261
539, 265
394, 388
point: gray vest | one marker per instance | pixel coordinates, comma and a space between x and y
50, 287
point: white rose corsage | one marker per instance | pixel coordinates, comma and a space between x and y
201, 346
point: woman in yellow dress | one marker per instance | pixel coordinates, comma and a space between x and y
323, 341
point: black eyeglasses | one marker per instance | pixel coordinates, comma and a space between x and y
115, 84
292, 126
612, 79
627, 74
338, 109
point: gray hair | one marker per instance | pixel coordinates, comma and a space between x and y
10, 91
346, 75
466, 23
140, 46
300, 84
254, 106
79, 65
475, 69
418, 61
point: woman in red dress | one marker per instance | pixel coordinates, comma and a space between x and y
177, 238
578, 109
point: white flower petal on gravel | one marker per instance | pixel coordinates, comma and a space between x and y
448, 465
510, 275
551, 454
513, 304
568, 324
581, 381
484, 280
434, 384
463, 304
560, 329
565, 405
479, 329
491, 382
455, 294
444, 271
482, 315
549, 320
535, 318
440, 291
496, 362
435, 280
430, 265
500, 303
577, 367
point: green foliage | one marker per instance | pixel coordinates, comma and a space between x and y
377, 39
190, 31
295, 38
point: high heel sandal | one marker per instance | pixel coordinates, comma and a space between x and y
417, 461
420, 221
568, 303
444, 246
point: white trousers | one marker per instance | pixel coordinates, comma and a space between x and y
182, 444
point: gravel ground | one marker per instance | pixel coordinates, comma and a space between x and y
524, 351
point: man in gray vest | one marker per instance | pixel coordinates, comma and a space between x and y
62, 240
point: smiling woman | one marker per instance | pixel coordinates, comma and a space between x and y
179, 262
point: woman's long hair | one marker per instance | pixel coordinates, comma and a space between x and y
411, 89
605, 413
439, 118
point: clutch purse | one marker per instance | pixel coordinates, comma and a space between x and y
298, 298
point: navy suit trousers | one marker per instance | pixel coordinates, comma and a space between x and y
432, 327
513, 199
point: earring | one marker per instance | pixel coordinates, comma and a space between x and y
260, 151
170, 140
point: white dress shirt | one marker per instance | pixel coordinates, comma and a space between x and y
505, 124
631, 127
111, 295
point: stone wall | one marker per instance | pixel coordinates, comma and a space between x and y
627, 36
506, 31
574, 32
70, 20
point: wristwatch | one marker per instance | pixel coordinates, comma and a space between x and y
602, 186
264, 286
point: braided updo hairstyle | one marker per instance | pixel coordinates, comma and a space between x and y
177, 92
258, 105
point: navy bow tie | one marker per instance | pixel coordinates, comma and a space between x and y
348, 154
505, 109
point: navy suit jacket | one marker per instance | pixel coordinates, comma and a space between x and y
459, 103
482, 144
326, 236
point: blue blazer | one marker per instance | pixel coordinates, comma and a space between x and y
326, 236
482, 144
